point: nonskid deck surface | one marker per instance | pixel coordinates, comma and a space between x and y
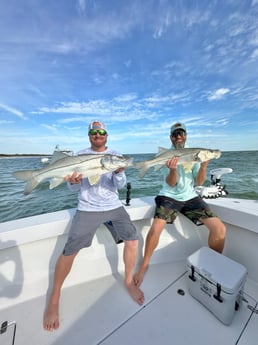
172, 318
101, 312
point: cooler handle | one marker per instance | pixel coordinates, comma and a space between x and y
191, 276
218, 296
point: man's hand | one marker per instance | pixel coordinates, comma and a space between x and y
74, 178
172, 163
119, 170
205, 164
201, 175
171, 178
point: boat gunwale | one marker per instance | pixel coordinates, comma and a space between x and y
237, 212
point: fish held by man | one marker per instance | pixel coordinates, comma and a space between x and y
187, 157
91, 166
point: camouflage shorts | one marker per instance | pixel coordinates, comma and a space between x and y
194, 209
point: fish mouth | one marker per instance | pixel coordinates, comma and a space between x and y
217, 153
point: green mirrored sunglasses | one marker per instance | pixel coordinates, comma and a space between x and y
97, 131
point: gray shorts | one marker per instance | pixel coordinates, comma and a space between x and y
85, 224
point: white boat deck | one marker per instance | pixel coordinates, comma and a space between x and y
95, 307
102, 312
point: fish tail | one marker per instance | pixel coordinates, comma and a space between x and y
143, 167
30, 185
130, 161
27, 175
24, 175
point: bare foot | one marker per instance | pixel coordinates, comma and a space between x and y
51, 318
139, 275
136, 293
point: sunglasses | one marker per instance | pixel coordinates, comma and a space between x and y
97, 131
180, 132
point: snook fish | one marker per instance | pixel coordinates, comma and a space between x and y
187, 157
91, 166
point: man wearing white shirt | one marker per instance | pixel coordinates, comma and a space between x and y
97, 204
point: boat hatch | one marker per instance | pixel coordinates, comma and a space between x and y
7, 333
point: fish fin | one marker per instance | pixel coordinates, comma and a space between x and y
26, 175
58, 156
30, 185
54, 182
158, 167
187, 167
143, 167
94, 179
161, 150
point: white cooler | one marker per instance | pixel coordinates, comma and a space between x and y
217, 282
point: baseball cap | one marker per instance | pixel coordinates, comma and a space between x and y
176, 126
96, 125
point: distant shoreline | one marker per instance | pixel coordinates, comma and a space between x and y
20, 155
2, 155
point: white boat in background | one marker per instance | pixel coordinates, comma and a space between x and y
95, 306
57, 154
44, 160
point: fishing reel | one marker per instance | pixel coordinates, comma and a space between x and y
216, 189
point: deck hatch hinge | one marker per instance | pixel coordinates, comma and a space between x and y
253, 309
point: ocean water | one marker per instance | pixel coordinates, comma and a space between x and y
241, 183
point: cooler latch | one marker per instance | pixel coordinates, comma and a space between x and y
5, 328
191, 276
218, 296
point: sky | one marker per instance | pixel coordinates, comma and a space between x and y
138, 66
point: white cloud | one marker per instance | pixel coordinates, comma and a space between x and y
81, 5
161, 29
126, 97
218, 94
222, 122
51, 128
254, 54
12, 111
5, 122
128, 63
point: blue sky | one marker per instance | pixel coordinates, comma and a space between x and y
137, 65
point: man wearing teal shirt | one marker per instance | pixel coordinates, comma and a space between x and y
178, 195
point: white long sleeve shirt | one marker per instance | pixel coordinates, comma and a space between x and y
102, 196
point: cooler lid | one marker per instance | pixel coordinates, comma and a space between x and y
218, 268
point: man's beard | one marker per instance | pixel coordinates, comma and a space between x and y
179, 145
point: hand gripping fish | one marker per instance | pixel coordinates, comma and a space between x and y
91, 166
187, 157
